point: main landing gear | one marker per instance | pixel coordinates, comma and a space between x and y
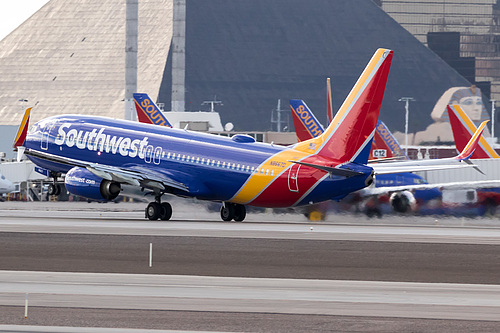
158, 210
230, 211
54, 188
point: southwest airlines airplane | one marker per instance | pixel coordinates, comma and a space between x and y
384, 147
98, 155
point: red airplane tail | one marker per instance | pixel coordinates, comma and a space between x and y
463, 128
348, 137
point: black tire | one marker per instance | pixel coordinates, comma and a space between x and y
227, 212
153, 211
240, 212
54, 189
166, 212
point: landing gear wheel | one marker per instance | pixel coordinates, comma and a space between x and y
240, 212
227, 212
153, 211
54, 189
166, 212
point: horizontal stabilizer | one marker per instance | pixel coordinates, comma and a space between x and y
332, 170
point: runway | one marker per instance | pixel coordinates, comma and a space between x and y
222, 294
267, 274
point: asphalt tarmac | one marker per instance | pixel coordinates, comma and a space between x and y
352, 276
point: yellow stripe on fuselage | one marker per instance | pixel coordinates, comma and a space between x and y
258, 182
464, 118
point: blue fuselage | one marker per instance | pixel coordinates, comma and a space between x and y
212, 167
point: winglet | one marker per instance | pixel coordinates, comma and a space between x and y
472, 144
148, 112
23, 129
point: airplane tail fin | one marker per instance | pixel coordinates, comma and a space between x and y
148, 112
22, 131
329, 106
463, 128
306, 124
385, 144
349, 136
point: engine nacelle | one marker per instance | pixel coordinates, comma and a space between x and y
80, 181
403, 202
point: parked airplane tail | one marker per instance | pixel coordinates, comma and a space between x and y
23, 129
349, 136
463, 128
306, 124
385, 144
148, 112
329, 102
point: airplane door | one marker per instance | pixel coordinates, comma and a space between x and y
157, 155
44, 143
149, 154
293, 175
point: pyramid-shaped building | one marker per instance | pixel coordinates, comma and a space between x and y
69, 57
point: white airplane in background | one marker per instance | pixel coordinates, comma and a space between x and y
6, 185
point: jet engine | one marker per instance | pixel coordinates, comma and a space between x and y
402, 202
80, 181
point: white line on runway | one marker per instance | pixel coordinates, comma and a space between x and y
422, 234
68, 329
299, 296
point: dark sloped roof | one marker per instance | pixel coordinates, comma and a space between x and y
251, 53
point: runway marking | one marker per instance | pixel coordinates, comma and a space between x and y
299, 231
197, 293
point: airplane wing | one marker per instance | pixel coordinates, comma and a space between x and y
390, 169
133, 175
448, 186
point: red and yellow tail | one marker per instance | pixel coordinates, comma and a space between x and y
463, 128
348, 137
23, 129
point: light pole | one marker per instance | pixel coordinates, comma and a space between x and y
493, 119
407, 108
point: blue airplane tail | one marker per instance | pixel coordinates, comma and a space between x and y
148, 112
306, 124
